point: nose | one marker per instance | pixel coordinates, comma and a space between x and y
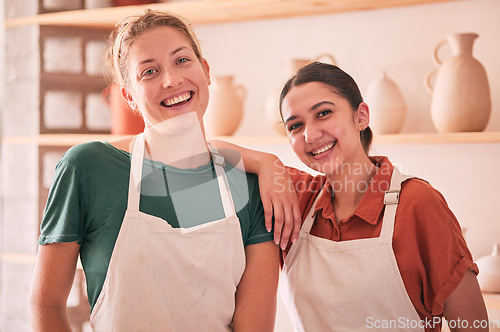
312, 133
171, 78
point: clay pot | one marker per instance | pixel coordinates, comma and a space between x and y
124, 120
387, 106
489, 271
225, 108
271, 106
461, 98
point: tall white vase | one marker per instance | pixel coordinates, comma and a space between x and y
461, 99
225, 107
386, 104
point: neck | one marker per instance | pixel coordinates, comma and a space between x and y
178, 142
349, 182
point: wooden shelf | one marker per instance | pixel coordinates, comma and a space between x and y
211, 11
427, 138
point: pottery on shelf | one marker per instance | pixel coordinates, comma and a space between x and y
225, 108
386, 104
124, 120
461, 99
489, 271
272, 101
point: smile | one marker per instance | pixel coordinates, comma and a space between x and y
177, 100
323, 149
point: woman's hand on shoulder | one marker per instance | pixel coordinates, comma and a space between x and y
280, 200
277, 190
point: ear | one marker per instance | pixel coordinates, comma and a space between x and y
128, 98
362, 116
206, 68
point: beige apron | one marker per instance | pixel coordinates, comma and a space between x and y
348, 286
171, 279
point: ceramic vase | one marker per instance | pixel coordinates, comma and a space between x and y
271, 106
124, 120
461, 98
225, 108
489, 271
387, 106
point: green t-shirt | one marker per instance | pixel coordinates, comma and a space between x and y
88, 199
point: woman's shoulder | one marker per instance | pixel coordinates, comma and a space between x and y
425, 206
419, 191
91, 153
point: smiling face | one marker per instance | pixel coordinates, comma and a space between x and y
165, 77
322, 127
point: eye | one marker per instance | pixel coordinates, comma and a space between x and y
294, 126
149, 72
323, 113
183, 60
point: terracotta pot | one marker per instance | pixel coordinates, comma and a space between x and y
225, 109
489, 271
271, 106
387, 106
124, 121
461, 98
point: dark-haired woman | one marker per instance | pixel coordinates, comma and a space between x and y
377, 249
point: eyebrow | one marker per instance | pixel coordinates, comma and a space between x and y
172, 53
314, 107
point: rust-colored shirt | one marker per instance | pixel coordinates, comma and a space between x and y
430, 250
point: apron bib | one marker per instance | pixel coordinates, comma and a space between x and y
162, 278
348, 286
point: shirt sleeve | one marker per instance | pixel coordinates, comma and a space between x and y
63, 211
442, 254
257, 230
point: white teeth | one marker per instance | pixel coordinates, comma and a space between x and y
326, 148
178, 99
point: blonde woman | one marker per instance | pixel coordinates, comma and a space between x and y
170, 236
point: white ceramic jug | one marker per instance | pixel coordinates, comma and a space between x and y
387, 106
272, 102
461, 98
489, 271
225, 108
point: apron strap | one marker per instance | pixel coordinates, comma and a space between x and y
309, 220
391, 201
134, 187
225, 191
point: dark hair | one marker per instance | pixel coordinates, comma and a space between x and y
132, 27
340, 82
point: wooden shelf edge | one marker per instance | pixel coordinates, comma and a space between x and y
438, 138
211, 11
426, 138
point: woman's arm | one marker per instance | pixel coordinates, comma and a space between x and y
276, 189
256, 293
466, 304
52, 281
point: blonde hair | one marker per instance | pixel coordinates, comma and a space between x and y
133, 26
